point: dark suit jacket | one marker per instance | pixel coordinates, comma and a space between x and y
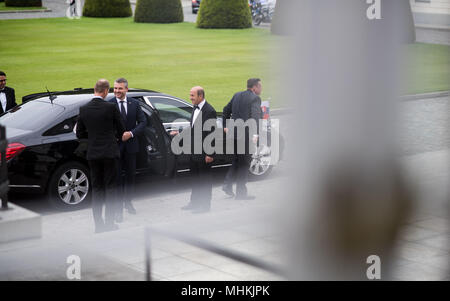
244, 105
208, 112
100, 122
10, 99
135, 123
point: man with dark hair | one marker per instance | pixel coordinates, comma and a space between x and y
244, 106
100, 122
7, 95
134, 120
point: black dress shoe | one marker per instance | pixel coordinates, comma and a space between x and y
245, 197
189, 206
130, 208
228, 191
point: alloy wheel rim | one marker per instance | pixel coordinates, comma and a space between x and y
73, 187
260, 161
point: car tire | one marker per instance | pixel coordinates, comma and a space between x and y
260, 165
70, 187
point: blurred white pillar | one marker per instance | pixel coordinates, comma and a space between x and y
342, 77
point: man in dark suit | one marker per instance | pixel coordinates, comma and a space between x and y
7, 95
201, 158
100, 122
135, 122
244, 106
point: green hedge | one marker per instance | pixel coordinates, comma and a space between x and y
224, 14
107, 8
23, 3
158, 11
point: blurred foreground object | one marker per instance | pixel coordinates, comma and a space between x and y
285, 17
348, 197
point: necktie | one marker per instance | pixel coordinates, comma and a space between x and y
122, 111
196, 107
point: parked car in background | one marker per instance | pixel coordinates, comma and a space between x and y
44, 155
195, 6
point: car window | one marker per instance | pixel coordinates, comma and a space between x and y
63, 127
147, 113
31, 115
170, 109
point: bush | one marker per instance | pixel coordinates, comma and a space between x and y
107, 8
23, 3
158, 11
224, 14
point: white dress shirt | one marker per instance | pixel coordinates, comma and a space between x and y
3, 100
197, 112
125, 104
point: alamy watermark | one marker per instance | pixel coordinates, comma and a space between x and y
73, 272
241, 137
374, 270
374, 10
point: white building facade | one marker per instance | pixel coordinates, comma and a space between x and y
431, 12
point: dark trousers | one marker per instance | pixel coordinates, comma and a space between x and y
126, 179
238, 171
201, 178
103, 176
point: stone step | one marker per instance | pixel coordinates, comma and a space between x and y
17, 223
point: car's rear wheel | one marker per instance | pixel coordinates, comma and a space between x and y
69, 187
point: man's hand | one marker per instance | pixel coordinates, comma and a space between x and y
126, 136
225, 130
208, 159
173, 133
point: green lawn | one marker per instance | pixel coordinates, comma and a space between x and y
428, 68
63, 54
3, 7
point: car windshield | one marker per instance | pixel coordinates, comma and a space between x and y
31, 115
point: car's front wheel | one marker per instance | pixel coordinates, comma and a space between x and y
69, 187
